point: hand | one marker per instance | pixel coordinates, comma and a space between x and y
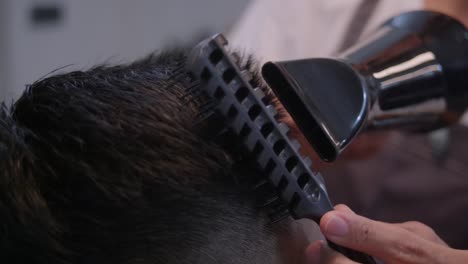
405, 243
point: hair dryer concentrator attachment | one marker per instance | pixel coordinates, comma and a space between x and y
411, 73
327, 99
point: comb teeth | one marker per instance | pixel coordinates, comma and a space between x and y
269, 202
296, 146
267, 196
259, 93
308, 163
191, 91
279, 214
247, 75
263, 138
283, 128
272, 110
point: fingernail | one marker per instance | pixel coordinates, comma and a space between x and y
313, 252
336, 226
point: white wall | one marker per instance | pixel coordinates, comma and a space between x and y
4, 60
98, 31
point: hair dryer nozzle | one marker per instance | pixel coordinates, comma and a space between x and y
409, 74
327, 98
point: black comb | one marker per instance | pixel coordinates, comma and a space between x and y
262, 136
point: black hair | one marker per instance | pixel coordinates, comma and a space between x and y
106, 166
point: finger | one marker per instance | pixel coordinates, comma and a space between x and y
343, 208
320, 253
422, 230
384, 241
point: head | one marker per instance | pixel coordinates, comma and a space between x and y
108, 166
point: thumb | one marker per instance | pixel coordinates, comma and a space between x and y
387, 242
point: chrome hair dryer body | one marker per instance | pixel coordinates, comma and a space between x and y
411, 73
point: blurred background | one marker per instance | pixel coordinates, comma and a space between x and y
38, 36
